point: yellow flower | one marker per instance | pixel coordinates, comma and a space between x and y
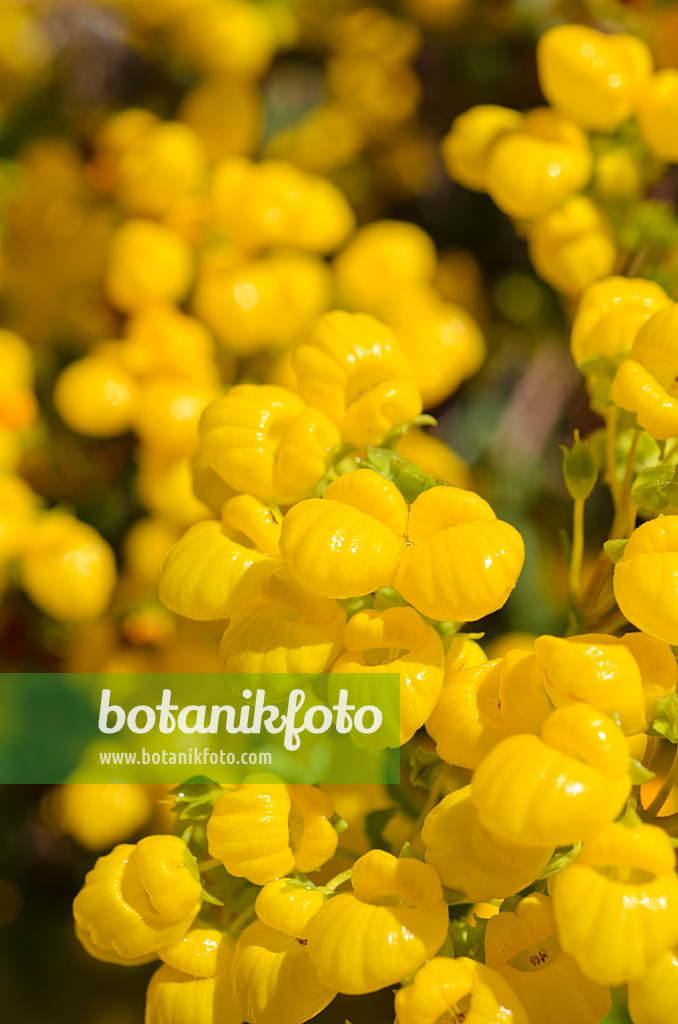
395, 640
555, 789
455, 991
523, 948
174, 997
231, 36
203, 952
591, 76
288, 908
265, 441
164, 166
354, 369
610, 314
657, 114
18, 505
616, 903
165, 487
470, 859
264, 832
645, 579
272, 202
530, 170
280, 627
432, 455
467, 723
618, 175
394, 920
96, 396
461, 562
274, 979
203, 568
168, 413
225, 114
98, 815
68, 569
442, 341
348, 542
462, 653
467, 148
572, 247
148, 262
381, 260
524, 703
160, 340
263, 304
595, 668
653, 997
657, 664
645, 383
138, 899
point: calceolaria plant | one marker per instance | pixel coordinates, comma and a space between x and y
227, 370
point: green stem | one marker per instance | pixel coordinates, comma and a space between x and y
577, 548
665, 791
338, 880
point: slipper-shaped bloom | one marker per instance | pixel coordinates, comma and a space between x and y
396, 640
394, 920
174, 997
645, 383
653, 997
348, 542
280, 627
523, 947
573, 245
557, 788
203, 568
646, 579
138, 899
264, 440
467, 147
264, 832
353, 368
443, 342
610, 314
522, 698
382, 260
461, 562
459, 991
466, 722
67, 568
532, 169
203, 952
470, 859
593, 77
657, 114
616, 903
274, 979
597, 669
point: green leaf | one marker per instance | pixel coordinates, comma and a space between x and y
639, 773
425, 766
614, 549
469, 939
208, 898
655, 487
560, 859
665, 718
454, 896
408, 852
375, 823
580, 468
